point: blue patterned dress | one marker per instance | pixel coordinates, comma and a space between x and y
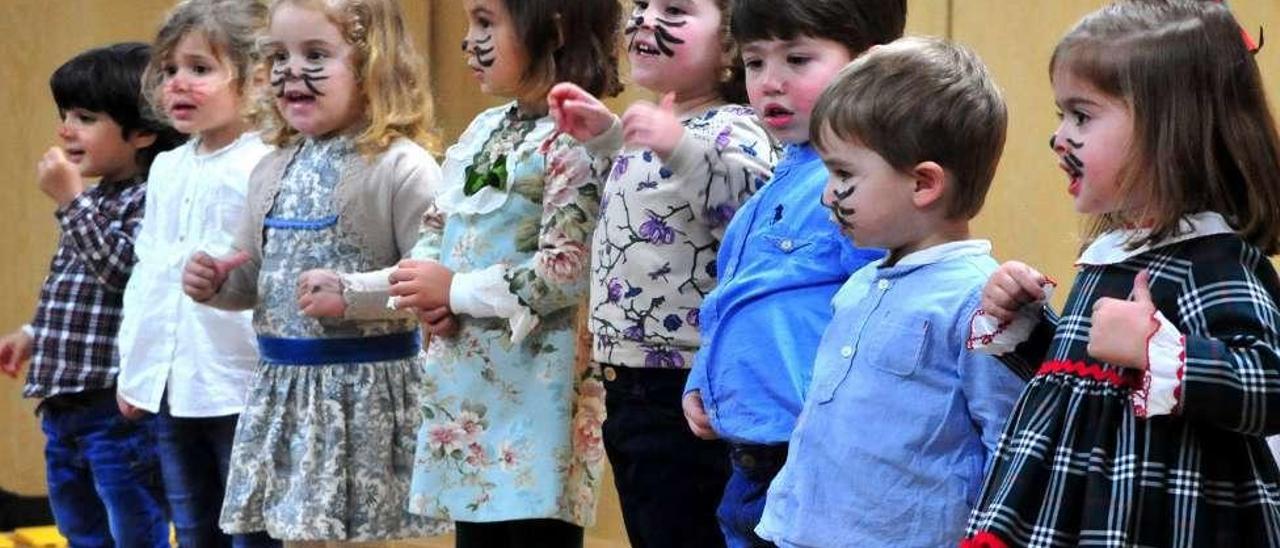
322, 451
512, 412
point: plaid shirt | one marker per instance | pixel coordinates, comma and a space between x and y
80, 304
1077, 466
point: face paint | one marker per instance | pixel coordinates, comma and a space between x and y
308, 76
662, 36
481, 50
1072, 163
841, 214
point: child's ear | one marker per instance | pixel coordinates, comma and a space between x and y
931, 184
141, 139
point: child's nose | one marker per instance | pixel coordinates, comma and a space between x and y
66, 129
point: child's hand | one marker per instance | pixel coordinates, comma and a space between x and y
1120, 329
655, 127
439, 322
577, 113
1011, 287
320, 294
423, 285
696, 415
204, 275
59, 178
128, 410
15, 350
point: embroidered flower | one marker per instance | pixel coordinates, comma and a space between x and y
692, 317
663, 358
446, 437
672, 322
563, 261
634, 333
722, 140
471, 424
508, 456
614, 289
656, 231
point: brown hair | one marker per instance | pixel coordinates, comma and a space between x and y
856, 24
390, 73
918, 100
570, 41
1203, 135
230, 26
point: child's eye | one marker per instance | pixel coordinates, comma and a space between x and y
200, 69
798, 59
84, 117
675, 10
484, 23
752, 64
315, 55
641, 5
1080, 117
842, 174
169, 70
277, 57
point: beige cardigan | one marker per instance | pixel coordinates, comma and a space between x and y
392, 189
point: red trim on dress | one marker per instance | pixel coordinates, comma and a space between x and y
1090, 371
983, 540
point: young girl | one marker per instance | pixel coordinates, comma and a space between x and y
192, 365
688, 164
511, 444
324, 445
1144, 425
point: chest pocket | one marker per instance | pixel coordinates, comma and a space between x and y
903, 348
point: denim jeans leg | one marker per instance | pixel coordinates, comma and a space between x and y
79, 513
744, 496
126, 473
191, 482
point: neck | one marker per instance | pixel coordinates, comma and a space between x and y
124, 174
215, 139
943, 233
695, 102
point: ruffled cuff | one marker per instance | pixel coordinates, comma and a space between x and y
989, 336
485, 294
1161, 391
367, 296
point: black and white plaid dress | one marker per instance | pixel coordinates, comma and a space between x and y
1076, 466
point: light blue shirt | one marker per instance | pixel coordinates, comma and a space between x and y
781, 261
901, 420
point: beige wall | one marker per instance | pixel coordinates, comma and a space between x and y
1028, 214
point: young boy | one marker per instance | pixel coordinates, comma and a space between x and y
103, 476
900, 420
781, 259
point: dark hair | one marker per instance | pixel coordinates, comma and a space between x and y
857, 24
588, 56
1203, 135
109, 80
919, 100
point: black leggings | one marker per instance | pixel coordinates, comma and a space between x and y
524, 533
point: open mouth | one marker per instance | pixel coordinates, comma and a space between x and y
776, 115
298, 98
181, 109
74, 155
645, 49
1074, 174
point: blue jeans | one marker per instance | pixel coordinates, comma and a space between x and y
104, 481
754, 467
194, 455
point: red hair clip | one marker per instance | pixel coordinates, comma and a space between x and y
1249, 43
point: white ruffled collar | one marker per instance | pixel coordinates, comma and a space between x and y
1111, 247
452, 199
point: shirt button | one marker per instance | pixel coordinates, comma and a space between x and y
609, 374
883, 284
788, 245
846, 352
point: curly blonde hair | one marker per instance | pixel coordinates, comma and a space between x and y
389, 70
231, 28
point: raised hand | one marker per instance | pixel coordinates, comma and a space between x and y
1012, 286
59, 178
1120, 329
577, 113
655, 127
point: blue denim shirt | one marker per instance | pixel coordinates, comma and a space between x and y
781, 261
901, 420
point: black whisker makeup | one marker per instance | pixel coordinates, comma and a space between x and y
1073, 163
482, 51
663, 37
839, 213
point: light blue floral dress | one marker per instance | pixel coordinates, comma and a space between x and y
322, 451
512, 415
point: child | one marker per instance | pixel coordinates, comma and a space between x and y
782, 259
689, 164
511, 444
1144, 424
325, 442
900, 421
192, 365
101, 467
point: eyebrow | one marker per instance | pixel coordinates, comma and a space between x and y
1072, 102
481, 10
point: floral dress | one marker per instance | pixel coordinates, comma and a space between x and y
512, 416
322, 451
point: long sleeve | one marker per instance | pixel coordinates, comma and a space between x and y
240, 290
717, 177
1228, 325
366, 293
104, 244
990, 389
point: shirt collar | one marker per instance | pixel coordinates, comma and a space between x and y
945, 252
1111, 246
